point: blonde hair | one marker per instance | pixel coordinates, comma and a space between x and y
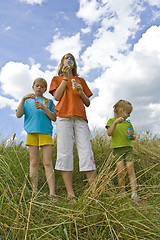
74, 70
42, 80
122, 105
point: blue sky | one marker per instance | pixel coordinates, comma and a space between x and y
115, 43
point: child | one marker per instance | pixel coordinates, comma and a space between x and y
72, 121
122, 145
38, 112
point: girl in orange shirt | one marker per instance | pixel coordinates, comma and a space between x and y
72, 122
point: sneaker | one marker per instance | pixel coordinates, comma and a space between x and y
53, 198
72, 199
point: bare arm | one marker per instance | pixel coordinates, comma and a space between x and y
49, 113
60, 90
111, 129
19, 112
85, 99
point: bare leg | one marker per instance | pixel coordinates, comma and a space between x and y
67, 178
121, 175
132, 176
91, 175
34, 162
47, 162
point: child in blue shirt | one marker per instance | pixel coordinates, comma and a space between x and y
38, 112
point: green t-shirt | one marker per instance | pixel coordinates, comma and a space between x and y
120, 135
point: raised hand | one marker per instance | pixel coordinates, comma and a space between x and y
29, 95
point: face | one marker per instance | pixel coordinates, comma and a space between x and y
66, 60
125, 114
39, 88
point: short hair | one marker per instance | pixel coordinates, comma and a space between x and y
40, 80
123, 104
74, 70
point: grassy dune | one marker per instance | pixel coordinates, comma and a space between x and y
100, 211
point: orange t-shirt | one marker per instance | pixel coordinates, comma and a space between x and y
71, 103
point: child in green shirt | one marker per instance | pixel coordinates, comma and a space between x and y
122, 132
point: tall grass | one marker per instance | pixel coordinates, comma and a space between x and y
100, 211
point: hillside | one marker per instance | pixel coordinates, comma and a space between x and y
100, 211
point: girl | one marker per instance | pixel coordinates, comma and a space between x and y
38, 112
122, 145
72, 121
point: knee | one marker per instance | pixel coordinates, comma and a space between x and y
47, 164
34, 162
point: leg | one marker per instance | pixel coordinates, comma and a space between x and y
67, 178
64, 161
132, 176
47, 162
121, 175
34, 162
91, 175
84, 148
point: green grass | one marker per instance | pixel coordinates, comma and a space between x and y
100, 212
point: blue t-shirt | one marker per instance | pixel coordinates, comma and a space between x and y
36, 120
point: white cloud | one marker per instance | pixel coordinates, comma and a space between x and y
32, 1
90, 11
62, 45
7, 28
86, 30
16, 80
134, 77
93, 11
6, 102
117, 23
154, 3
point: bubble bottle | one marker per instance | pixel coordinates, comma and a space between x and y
128, 130
71, 63
36, 99
73, 82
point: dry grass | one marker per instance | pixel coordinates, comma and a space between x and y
100, 212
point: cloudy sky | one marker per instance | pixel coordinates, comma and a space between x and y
116, 44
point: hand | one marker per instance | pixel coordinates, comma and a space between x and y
30, 95
130, 133
119, 120
65, 70
39, 105
78, 87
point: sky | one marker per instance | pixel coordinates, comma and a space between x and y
116, 46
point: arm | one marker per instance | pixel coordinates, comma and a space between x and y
19, 112
85, 99
49, 113
111, 129
60, 90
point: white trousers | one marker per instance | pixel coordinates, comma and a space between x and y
68, 129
